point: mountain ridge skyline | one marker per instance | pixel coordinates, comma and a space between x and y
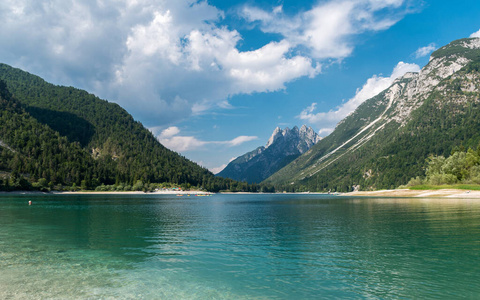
283, 146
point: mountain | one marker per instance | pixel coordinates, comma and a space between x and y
29, 147
385, 141
282, 147
67, 137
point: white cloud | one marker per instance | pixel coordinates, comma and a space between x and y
169, 138
182, 143
167, 60
239, 140
326, 121
217, 170
65, 41
278, 9
169, 132
198, 63
475, 34
424, 51
326, 29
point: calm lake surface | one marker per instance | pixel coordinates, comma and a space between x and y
237, 247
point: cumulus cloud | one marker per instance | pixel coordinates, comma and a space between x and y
326, 30
167, 60
475, 34
65, 41
169, 132
169, 138
326, 121
424, 51
161, 60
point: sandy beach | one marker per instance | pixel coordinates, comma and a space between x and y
107, 193
139, 193
446, 193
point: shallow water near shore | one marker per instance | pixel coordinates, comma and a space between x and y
237, 247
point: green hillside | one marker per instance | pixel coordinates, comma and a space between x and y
385, 142
66, 136
34, 150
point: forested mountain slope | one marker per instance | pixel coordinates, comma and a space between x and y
31, 148
106, 145
384, 143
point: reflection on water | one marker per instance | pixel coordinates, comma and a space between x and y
238, 246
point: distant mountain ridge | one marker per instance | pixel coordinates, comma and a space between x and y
282, 147
385, 141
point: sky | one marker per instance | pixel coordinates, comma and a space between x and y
212, 79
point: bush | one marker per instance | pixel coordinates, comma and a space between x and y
415, 181
439, 179
138, 186
101, 188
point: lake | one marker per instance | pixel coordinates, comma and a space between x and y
237, 247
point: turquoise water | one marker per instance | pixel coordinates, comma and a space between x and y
237, 247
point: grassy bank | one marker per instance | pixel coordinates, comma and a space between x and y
474, 187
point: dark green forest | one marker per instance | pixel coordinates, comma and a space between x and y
63, 138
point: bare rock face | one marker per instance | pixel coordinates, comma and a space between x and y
282, 147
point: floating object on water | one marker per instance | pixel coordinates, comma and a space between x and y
29, 202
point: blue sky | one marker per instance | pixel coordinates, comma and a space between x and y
212, 79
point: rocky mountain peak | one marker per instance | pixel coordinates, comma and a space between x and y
283, 146
275, 135
302, 138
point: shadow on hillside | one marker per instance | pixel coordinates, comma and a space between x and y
67, 124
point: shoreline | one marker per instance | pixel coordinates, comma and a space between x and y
406, 193
106, 193
397, 193
136, 193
